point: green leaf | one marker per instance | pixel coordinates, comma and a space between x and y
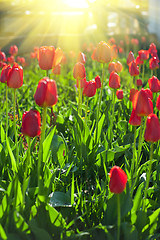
58, 149
2, 233
13, 161
153, 221
98, 131
47, 144
2, 134
59, 199
55, 217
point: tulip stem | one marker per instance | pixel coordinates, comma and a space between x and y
100, 100
14, 125
41, 144
148, 175
141, 138
6, 110
86, 111
118, 216
112, 117
134, 160
26, 167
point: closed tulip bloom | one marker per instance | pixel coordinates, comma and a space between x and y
15, 76
98, 81
11, 60
134, 120
46, 93
141, 103
118, 66
143, 54
90, 89
139, 82
13, 50
114, 80
119, 94
112, 67
152, 48
149, 93
3, 57
158, 103
153, 63
152, 131
133, 69
102, 53
133, 91
154, 84
130, 57
118, 180
31, 122
114, 51
81, 58
79, 71
46, 57
139, 61
4, 73
57, 70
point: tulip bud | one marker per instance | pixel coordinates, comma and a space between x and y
119, 94
98, 81
46, 93
4, 73
152, 131
153, 63
81, 58
112, 67
3, 57
139, 82
15, 76
114, 80
133, 69
31, 122
118, 67
149, 93
134, 119
90, 89
143, 54
102, 53
13, 50
79, 71
46, 57
154, 84
118, 180
130, 58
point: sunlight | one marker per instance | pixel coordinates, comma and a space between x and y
76, 3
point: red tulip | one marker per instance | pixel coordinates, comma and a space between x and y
152, 131
152, 48
79, 71
158, 103
118, 67
154, 84
143, 54
46, 93
4, 73
13, 50
3, 57
118, 180
112, 67
141, 103
153, 63
135, 120
11, 60
31, 122
114, 51
130, 58
102, 53
119, 94
46, 57
57, 70
114, 80
98, 81
149, 93
135, 41
133, 69
139, 61
90, 89
15, 76
81, 58
139, 82
132, 93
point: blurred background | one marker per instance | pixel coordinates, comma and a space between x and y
69, 23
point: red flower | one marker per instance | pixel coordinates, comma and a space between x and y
102, 53
57, 69
3, 57
46, 57
149, 93
114, 80
135, 41
143, 54
79, 71
119, 94
139, 82
133, 69
158, 103
81, 58
11, 59
135, 120
90, 89
139, 61
114, 51
98, 81
152, 131
112, 67
133, 91
153, 63
31, 122
4, 73
141, 103
46, 93
130, 58
154, 84
13, 50
118, 67
15, 76
152, 48
118, 180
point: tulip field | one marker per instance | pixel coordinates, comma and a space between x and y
80, 142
